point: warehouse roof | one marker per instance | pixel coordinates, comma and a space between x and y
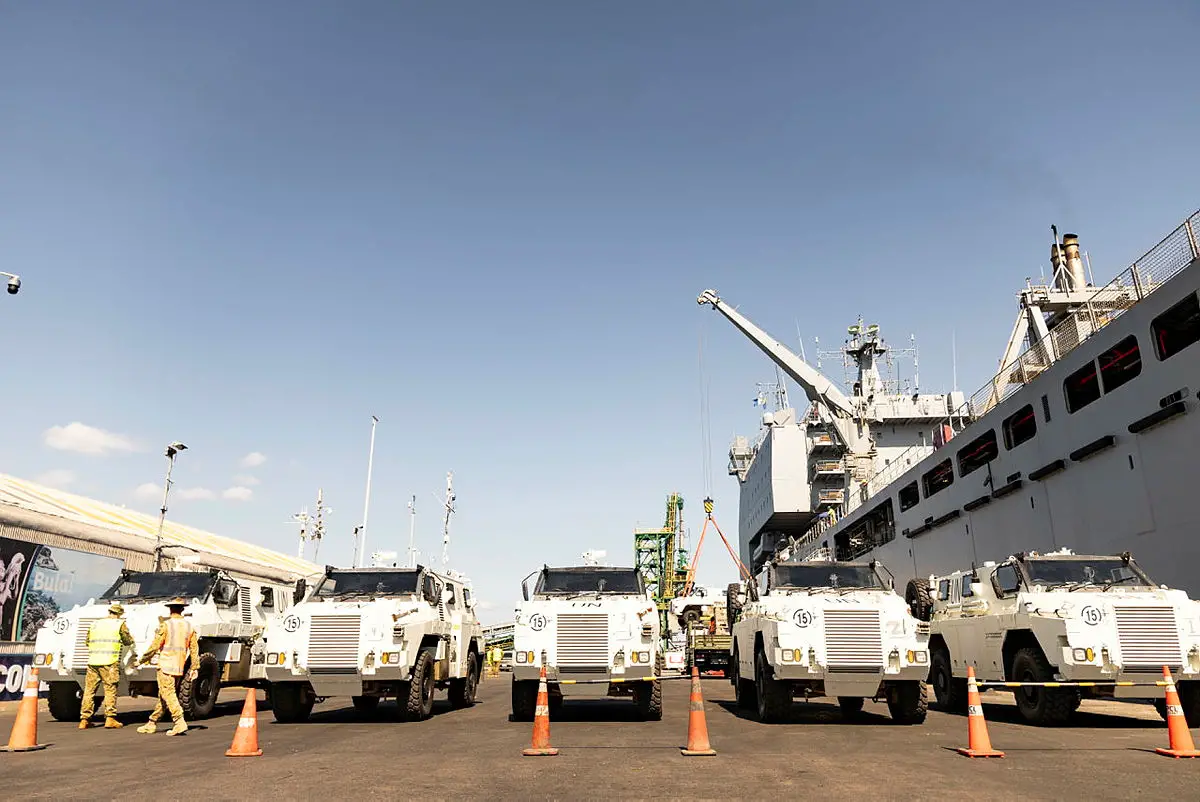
136, 530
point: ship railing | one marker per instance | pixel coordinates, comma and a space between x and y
1153, 269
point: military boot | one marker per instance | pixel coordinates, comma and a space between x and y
179, 729
111, 723
84, 724
148, 727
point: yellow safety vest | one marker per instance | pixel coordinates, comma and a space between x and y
174, 652
104, 642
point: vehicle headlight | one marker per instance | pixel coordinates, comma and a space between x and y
1083, 655
42, 659
917, 656
640, 657
524, 657
390, 658
789, 655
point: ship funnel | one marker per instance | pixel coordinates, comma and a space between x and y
1058, 264
1070, 249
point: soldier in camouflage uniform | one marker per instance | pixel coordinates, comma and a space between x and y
105, 640
174, 642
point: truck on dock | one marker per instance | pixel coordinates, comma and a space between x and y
703, 618
229, 613
373, 633
596, 630
1063, 617
835, 629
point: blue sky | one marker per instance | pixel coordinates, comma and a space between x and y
252, 226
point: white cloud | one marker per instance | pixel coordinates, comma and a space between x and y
238, 493
84, 439
148, 490
59, 477
253, 459
195, 493
247, 480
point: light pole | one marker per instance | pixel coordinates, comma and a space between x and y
172, 450
361, 531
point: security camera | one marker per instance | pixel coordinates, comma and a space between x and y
14, 285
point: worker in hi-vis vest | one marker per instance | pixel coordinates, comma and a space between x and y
174, 642
106, 638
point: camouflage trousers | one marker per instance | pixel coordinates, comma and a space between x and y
108, 676
167, 696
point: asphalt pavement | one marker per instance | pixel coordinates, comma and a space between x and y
1106, 753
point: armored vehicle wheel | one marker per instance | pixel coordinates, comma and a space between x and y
462, 691
908, 702
66, 701
743, 689
365, 703
524, 699
1189, 700
774, 697
291, 702
648, 695
919, 599
418, 705
951, 693
1043, 706
851, 705
198, 697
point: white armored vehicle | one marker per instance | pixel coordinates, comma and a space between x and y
369, 633
834, 629
591, 623
229, 614
1063, 617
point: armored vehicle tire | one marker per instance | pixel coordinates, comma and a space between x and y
743, 689
290, 702
648, 695
462, 691
774, 697
1189, 700
198, 696
908, 702
365, 703
66, 701
951, 693
1043, 706
851, 705
418, 704
919, 599
524, 699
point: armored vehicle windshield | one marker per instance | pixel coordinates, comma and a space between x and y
147, 585
589, 580
1084, 571
824, 575
368, 583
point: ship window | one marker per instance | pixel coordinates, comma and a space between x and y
909, 496
1177, 328
1120, 364
1019, 426
1046, 408
1081, 387
977, 453
938, 478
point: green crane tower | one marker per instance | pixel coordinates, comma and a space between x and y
661, 557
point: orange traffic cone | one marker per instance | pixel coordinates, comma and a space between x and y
1177, 728
697, 739
541, 722
978, 742
245, 738
24, 731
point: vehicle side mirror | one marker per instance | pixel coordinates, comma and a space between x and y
301, 589
447, 596
525, 590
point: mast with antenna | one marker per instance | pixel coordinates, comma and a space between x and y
360, 532
449, 503
412, 532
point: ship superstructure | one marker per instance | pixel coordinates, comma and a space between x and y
1083, 438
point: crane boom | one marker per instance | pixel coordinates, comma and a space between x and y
816, 385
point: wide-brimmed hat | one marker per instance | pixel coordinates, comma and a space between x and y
178, 601
116, 608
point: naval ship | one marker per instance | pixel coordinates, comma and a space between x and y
1084, 439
